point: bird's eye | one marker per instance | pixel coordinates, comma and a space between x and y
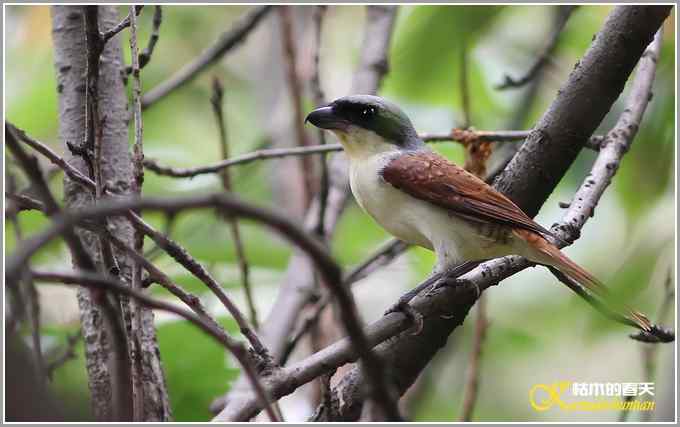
367, 113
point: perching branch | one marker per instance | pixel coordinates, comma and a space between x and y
543, 57
223, 45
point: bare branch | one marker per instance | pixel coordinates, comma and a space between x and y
565, 127
179, 254
145, 56
382, 256
543, 57
28, 296
217, 104
22, 202
464, 87
295, 89
171, 247
238, 160
471, 390
318, 98
138, 147
109, 34
68, 353
464, 136
224, 44
617, 141
93, 280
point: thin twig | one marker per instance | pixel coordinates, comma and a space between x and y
179, 254
217, 101
138, 147
544, 55
145, 55
472, 381
22, 202
464, 87
224, 44
67, 354
318, 97
109, 34
29, 297
385, 254
171, 247
463, 136
295, 90
476, 154
97, 281
155, 251
649, 351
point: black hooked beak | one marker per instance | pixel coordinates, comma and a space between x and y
325, 118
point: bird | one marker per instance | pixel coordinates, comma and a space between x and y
422, 198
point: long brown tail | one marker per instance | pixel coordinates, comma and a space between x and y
555, 258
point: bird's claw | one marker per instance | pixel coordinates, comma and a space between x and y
452, 283
410, 312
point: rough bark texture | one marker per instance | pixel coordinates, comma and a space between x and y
529, 179
117, 171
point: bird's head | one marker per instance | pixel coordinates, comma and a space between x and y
366, 125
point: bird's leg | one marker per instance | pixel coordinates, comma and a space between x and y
403, 306
436, 280
451, 277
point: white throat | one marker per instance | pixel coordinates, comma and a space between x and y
360, 144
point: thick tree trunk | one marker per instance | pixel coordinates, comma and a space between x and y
108, 385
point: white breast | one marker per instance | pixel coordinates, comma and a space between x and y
394, 210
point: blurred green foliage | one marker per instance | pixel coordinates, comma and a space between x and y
532, 317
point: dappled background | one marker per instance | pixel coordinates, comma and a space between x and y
539, 331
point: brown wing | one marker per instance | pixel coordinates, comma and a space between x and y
430, 177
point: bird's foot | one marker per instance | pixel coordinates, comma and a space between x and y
403, 306
452, 282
